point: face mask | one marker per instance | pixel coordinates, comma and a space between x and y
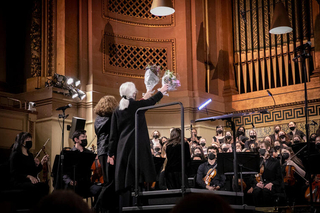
292, 128
197, 155
312, 139
28, 144
84, 142
211, 156
202, 144
157, 149
276, 148
282, 136
262, 152
220, 131
285, 156
228, 137
156, 136
225, 149
296, 141
277, 131
252, 137
240, 133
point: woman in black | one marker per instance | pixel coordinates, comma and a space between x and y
24, 168
122, 139
173, 167
104, 110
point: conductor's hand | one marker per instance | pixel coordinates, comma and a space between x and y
148, 95
73, 183
32, 179
164, 89
110, 160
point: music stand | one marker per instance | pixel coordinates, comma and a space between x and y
78, 164
314, 167
248, 163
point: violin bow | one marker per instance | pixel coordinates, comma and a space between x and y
42, 148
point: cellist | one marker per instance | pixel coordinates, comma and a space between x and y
294, 175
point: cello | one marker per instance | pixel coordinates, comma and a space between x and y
315, 190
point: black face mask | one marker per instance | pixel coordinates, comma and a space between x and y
292, 128
277, 131
282, 136
252, 137
228, 137
312, 139
202, 144
197, 155
219, 131
285, 156
157, 149
84, 143
225, 149
211, 156
296, 141
262, 152
156, 136
240, 133
28, 145
276, 148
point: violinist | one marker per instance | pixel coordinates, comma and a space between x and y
24, 168
270, 181
293, 173
207, 174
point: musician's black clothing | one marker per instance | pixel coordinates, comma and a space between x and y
271, 174
218, 180
20, 167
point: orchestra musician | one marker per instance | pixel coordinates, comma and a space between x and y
294, 131
294, 175
270, 181
275, 135
24, 168
207, 175
83, 186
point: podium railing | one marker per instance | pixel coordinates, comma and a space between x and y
136, 189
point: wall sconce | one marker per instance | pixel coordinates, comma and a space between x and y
162, 8
280, 21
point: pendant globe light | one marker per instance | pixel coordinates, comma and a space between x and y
162, 8
280, 21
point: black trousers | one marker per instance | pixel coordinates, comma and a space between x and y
262, 197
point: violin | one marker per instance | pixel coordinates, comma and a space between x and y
289, 178
97, 176
315, 190
209, 176
259, 176
46, 165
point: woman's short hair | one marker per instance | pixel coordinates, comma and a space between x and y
106, 106
127, 90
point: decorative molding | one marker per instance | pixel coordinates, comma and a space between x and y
35, 36
126, 42
127, 13
50, 37
282, 114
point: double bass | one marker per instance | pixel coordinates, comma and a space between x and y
315, 190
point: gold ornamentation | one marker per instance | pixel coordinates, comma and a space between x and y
120, 56
134, 12
35, 36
